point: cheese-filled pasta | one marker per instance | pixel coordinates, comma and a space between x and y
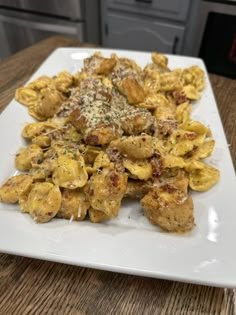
112, 131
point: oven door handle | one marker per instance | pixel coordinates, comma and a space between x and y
43, 26
175, 45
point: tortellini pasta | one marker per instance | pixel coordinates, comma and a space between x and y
105, 191
74, 205
201, 176
139, 169
139, 147
132, 90
44, 96
109, 132
43, 202
26, 96
70, 172
191, 92
30, 155
97, 215
15, 187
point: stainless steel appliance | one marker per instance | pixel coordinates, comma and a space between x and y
215, 40
24, 22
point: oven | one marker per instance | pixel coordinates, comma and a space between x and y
25, 22
215, 40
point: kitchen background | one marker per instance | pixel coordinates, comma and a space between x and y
196, 28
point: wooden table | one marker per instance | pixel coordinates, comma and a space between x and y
30, 286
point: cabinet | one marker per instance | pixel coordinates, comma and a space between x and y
129, 32
169, 9
146, 25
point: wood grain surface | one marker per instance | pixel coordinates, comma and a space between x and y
30, 286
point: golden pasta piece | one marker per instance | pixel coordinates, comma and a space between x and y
71, 134
106, 66
60, 147
151, 83
135, 147
137, 123
102, 161
159, 102
199, 140
80, 76
44, 170
203, 177
182, 148
74, 205
89, 153
179, 135
23, 203
191, 92
161, 209
170, 161
131, 64
70, 173
195, 76
66, 135
15, 187
26, 96
165, 110
101, 135
150, 102
182, 142
105, 191
188, 77
139, 169
200, 84
38, 173
192, 165
204, 150
49, 102
197, 71
137, 189
33, 112
42, 141
37, 128
149, 70
169, 82
160, 60
43, 202
178, 72
197, 127
183, 112
97, 216
40, 83
132, 90
185, 146
98, 65
64, 81
30, 155
159, 146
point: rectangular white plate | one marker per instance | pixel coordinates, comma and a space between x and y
129, 244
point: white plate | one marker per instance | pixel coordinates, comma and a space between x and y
129, 244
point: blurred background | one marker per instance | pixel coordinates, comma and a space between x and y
206, 29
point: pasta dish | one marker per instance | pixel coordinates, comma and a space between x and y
113, 131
